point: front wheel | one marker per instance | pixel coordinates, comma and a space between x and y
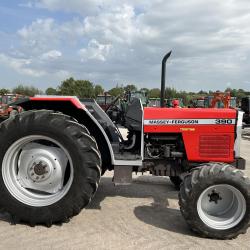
50, 167
215, 201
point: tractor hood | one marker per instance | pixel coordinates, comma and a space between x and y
208, 134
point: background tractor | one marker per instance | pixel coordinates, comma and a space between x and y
7, 106
53, 154
104, 100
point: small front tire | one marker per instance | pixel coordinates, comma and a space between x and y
215, 201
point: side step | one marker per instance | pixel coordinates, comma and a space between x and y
122, 175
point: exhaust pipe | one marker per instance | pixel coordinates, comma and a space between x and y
163, 76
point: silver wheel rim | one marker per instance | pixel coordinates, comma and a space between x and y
34, 173
221, 206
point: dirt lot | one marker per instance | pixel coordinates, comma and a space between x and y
144, 215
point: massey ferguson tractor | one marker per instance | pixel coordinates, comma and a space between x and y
53, 154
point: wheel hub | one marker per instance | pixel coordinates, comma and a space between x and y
42, 168
39, 171
214, 197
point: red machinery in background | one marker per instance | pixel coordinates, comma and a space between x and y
217, 100
6, 109
219, 97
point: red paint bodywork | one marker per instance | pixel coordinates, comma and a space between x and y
73, 100
214, 137
221, 135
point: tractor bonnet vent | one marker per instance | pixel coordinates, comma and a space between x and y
214, 146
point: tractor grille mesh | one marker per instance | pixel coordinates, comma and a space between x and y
214, 146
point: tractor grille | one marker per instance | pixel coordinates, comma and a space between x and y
214, 146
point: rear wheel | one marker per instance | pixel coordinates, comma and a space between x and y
50, 167
215, 201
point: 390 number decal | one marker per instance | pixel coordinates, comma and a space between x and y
224, 121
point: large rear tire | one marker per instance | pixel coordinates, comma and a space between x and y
215, 201
50, 167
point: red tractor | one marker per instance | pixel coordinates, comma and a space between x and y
53, 154
6, 107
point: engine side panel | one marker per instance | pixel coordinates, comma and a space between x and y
208, 134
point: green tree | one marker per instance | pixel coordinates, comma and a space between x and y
228, 90
98, 90
51, 91
80, 88
130, 87
202, 92
240, 93
171, 93
116, 91
4, 91
144, 89
84, 88
154, 93
184, 96
26, 90
67, 87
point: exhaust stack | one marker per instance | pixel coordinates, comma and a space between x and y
163, 76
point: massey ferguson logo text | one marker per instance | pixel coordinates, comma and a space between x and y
165, 122
189, 121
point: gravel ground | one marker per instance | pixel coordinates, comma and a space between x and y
144, 215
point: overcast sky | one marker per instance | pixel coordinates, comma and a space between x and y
43, 42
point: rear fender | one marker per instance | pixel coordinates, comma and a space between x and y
73, 107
